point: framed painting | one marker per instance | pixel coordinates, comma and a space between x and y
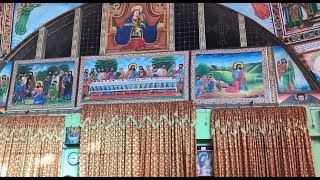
139, 27
289, 77
296, 22
204, 163
231, 76
72, 136
4, 85
311, 61
150, 77
43, 83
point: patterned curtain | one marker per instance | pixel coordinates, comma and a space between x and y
261, 142
31, 146
147, 139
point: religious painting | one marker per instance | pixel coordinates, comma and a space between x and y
299, 19
311, 61
289, 76
44, 83
72, 136
230, 76
299, 98
204, 163
28, 17
6, 18
138, 27
150, 77
5, 75
259, 12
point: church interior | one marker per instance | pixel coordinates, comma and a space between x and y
160, 89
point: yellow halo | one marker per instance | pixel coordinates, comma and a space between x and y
41, 83
134, 64
236, 63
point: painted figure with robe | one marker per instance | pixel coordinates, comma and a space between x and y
286, 74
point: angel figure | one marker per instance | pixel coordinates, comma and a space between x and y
116, 9
286, 74
23, 13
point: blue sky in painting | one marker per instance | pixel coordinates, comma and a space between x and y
7, 69
247, 10
227, 60
140, 61
300, 80
38, 17
37, 67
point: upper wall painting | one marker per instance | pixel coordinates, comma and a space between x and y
290, 77
259, 12
28, 17
312, 62
232, 76
139, 27
6, 18
43, 83
124, 78
296, 22
4, 84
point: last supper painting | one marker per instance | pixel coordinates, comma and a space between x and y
137, 27
148, 77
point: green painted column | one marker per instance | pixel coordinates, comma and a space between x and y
66, 168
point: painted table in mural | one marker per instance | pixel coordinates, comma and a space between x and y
114, 86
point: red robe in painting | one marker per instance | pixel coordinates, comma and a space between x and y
261, 10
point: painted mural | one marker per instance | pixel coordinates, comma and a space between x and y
292, 19
134, 78
28, 17
46, 83
4, 85
290, 78
300, 16
299, 98
6, 18
137, 26
239, 75
312, 62
259, 12
204, 163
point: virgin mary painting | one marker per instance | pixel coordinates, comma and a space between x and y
137, 26
136, 32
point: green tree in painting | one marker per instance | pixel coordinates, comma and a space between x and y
52, 69
24, 69
201, 69
112, 63
41, 75
64, 67
217, 76
166, 60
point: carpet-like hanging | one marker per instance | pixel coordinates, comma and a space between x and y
261, 142
31, 146
144, 139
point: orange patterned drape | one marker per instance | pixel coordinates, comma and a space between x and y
31, 146
261, 142
142, 139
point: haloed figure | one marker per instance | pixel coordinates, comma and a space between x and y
68, 85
